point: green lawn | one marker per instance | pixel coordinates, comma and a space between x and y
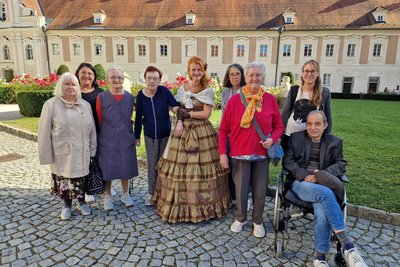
371, 134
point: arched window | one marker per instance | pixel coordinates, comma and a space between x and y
29, 52
3, 15
6, 53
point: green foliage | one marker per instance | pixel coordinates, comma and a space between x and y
30, 102
291, 76
9, 75
136, 87
100, 71
7, 94
62, 69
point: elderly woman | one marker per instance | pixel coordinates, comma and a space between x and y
191, 185
233, 81
248, 151
67, 140
117, 151
152, 112
310, 95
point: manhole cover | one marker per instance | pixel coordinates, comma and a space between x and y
10, 157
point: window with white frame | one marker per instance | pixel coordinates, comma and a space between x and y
214, 50
3, 14
307, 50
240, 51
98, 49
189, 50
351, 50
6, 53
97, 20
142, 49
29, 52
329, 50
213, 75
163, 50
76, 49
380, 18
120, 50
377, 50
55, 49
263, 50
286, 50
326, 79
289, 20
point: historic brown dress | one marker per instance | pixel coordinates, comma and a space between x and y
191, 185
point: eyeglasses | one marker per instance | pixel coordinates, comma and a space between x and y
152, 79
117, 78
309, 71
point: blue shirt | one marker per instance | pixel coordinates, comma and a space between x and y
153, 113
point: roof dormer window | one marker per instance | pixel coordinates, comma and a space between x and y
288, 16
380, 14
99, 16
190, 17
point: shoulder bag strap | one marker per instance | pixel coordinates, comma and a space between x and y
258, 129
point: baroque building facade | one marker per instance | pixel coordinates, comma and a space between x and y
357, 43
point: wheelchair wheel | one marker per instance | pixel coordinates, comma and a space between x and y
278, 216
279, 248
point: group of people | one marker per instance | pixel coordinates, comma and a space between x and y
194, 173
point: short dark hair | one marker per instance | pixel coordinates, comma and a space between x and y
151, 69
227, 82
88, 65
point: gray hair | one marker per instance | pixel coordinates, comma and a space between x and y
67, 75
255, 64
114, 68
318, 112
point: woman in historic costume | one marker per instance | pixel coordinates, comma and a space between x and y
192, 186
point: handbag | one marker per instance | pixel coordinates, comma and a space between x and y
94, 183
275, 152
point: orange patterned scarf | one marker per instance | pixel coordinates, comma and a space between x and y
253, 104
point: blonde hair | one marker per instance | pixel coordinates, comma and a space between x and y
316, 98
205, 80
58, 89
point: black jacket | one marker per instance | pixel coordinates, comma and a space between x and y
298, 154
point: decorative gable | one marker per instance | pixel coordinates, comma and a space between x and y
380, 14
99, 16
288, 16
190, 17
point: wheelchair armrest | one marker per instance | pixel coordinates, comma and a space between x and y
345, 179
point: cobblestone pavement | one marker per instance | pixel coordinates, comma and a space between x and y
31, 232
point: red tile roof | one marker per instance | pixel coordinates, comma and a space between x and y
219, 14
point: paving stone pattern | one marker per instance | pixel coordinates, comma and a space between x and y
31, 232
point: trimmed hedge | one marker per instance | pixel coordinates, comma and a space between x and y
30, 102
7, 94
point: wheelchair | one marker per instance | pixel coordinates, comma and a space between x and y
284, 199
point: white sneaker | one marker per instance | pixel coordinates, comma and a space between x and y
353, 258
108, 203
89, 198
126, 199
113, 193
85, 210
66, 214
237, 226
259, 230
318, 263
147, 201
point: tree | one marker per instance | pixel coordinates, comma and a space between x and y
100, 71
291, 76
9, 75
62, 69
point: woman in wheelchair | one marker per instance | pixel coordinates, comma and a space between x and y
311, 153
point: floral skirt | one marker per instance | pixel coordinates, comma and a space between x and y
67, 188
191, 185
